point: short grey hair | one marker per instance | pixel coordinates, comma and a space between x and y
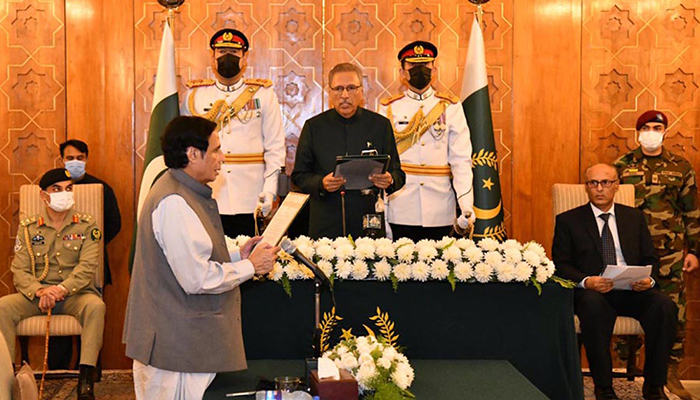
345, 67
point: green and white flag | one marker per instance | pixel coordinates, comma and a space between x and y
165, 108
488, 205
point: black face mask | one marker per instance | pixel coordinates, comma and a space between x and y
228, 65
420, 76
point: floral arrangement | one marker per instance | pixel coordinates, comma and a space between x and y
381, 371
450, 259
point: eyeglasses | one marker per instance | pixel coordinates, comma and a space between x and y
352, 89
656, 128
604, 183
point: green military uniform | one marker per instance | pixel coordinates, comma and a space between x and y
46, 256
665, 190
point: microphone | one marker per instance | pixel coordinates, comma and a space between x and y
292, 250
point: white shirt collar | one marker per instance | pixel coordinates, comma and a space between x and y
231, 88
597, 211
420, 97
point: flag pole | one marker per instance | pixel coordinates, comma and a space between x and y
480, 10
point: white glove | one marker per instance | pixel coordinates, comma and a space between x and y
265, 200
466, 219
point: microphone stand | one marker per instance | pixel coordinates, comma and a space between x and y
317, 318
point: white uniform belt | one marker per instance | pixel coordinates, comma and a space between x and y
426, 170
252, 158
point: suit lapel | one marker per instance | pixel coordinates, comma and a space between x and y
592, 227
622, 231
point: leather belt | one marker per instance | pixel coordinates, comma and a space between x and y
426, 170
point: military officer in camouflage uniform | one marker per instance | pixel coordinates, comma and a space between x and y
56, 258
666, 191
250, 128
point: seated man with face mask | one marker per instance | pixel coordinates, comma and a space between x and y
250, 129
56, 258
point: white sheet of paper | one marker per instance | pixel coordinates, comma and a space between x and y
624, 275
284, 216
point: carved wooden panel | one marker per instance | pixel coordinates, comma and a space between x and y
32, 106
639, 56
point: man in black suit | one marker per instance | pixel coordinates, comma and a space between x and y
603, 233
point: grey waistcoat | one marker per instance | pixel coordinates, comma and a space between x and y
164, 326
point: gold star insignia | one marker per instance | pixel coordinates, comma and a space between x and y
347, 334
488, 184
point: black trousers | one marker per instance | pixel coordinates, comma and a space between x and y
653, 309
417, 233
238, 224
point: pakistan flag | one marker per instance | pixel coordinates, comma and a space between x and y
488, 206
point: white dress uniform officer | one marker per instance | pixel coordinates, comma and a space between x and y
435, 149
251, 131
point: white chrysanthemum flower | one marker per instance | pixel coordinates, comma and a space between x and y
512, 256
426, 253
465, 243
306, 272
362, 340
405, 253
482, 272
341, 350
523, 271
425, 243
303, 241
402, 272
463, 272
384, 362
344, 252
360, 270
365, 374
365, 357
276, 273
511, 244
444, 242
403, 241
542, 274
364, 240
386, 251
348, 361
493, 258
382, 270
473, 254
326, 252
452, 253
488, 244
326, 267
306, 250
383, 242
403, 375
439, 270
324, 241
531, 257
293, 271
241, 239
364, 251
505, 272
537, 248
420, 271
341, 241
343, 269
390, 353
550, 267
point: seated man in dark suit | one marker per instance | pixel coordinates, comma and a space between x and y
602, 233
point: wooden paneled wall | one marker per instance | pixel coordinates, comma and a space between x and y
567, 79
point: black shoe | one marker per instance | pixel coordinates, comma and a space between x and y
605, 393
86, 383
653, 392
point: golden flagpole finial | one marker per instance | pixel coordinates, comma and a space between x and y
171, 6
480, 10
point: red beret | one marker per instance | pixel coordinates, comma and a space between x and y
652, 116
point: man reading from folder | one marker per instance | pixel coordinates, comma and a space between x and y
601, 233
345, 129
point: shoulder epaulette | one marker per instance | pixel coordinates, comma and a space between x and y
258, 82
446, 96
388, 100
28, 221
199, 83
86, 217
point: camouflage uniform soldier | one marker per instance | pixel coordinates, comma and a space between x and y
666, 191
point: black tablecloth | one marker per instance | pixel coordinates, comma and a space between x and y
477, 322
435, 380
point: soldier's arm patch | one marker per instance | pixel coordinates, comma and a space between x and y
96, 235
18, 244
